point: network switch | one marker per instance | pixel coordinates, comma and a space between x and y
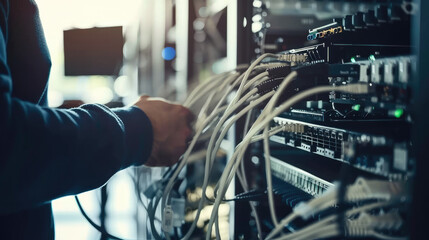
379, 154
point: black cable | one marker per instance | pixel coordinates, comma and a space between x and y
93, 224
345, 180
103, 204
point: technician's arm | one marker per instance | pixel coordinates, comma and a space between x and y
48, 153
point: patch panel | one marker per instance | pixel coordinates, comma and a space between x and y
299, 178
377, 154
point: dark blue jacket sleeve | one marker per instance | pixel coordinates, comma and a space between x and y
48, 153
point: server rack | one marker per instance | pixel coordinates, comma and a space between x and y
247, 48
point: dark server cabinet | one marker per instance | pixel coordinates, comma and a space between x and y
379, 42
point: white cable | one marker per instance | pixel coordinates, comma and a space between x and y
169, 185
229, 111
205, 107
202, 89
210, 152
323, 232
256, 128
254, 139
385, 237
268, 177
271, 132
356, 88
231, 107
238, 116
315, 227
267, 154
247, 74
364, 226
246, 127
255, 80
252, 207
182, 163
223, 133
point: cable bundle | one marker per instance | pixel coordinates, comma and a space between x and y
222, 101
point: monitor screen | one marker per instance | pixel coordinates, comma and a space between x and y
93, 51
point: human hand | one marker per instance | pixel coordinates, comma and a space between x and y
171, 129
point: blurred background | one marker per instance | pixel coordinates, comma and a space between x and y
109, 52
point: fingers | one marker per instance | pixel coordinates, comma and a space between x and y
189, 115
183, 136
144, 97
172, 127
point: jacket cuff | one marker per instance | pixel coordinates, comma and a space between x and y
138, 135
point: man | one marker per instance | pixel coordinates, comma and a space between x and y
48, 153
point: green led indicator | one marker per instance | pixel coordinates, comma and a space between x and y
352, 59
371, 57
398, 113
356, 107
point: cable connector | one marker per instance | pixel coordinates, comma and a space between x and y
152, 190
387, 221
294, 58
367, 225
178, 209
361, 190
356, 88
364, 189
308, 209
268, 85
167, 220
279, 72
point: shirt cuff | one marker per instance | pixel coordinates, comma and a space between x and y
138, 135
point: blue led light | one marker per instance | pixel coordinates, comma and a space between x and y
168, 53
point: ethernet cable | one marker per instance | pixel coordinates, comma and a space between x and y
183, 162
203, 88
225, 179
238, 152
207, 166
199, 91
256, 80
238, 116
361, 190
267, 154
247, 74
212, 149
251, 82
273, 101
203, 111
289, 78
169, 185
246, 127
364, 226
